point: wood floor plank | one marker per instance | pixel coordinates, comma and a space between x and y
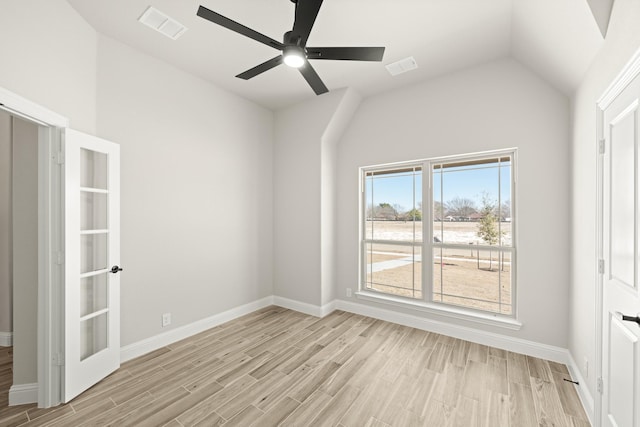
539, 368
522, 411
280, 367
331, 414
367, 404
255, 394
549, 410
448, 385
473, 384
244, 417
467, 413
119, 411
277, 413
494, 409
209, 406
568, 395
309, 410
517, 368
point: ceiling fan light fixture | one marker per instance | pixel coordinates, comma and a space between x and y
293, 56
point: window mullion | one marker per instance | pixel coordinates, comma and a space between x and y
427, 233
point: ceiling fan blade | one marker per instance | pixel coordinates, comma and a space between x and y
346, 53
306, 13
259, 69
216, 18
313, 79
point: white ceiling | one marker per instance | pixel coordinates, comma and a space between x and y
555, 38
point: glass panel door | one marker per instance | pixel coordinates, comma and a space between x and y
92, 243
94, 230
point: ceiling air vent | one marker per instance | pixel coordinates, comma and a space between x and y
402, 66
160, 22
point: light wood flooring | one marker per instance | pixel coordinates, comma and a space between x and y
279, 367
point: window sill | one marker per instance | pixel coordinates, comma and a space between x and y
442, 310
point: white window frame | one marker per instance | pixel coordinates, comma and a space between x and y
426, 304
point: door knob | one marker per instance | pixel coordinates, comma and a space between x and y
115, 269
631, 319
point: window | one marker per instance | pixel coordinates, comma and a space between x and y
466, 230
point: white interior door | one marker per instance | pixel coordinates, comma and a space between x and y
92, 256
621, 294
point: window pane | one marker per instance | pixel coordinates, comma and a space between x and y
471, 202
393, 203
473, 279
394, 269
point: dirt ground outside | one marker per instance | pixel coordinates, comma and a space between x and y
470, 277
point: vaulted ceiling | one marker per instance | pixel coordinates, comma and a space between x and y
556, 39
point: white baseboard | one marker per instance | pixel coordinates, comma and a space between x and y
22, 394
505, 342
303, 307
148, 345
583, 391
6, 339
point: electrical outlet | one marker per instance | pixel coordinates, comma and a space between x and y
585, 367
348, 292
166, 319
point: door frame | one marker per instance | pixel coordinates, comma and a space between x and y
50, 344
628, 73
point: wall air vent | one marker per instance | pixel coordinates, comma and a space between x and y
160, 22
402, 66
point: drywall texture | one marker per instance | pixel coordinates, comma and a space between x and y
623, 40
304, 153
196, 174
6, 297
25, 251
495, 106
49, 57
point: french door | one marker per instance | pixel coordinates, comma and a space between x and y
621, 293
92, 257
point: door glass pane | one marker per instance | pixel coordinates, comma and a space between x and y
93, 211
93, 252
623, 200
93, 169
93, 294
93, 335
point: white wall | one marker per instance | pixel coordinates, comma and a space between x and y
304, 156
196, 191
494, 106
6, 296
25, 250
49, 57
622, 41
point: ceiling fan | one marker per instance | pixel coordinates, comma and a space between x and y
295, 52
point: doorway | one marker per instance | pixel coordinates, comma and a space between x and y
43, 126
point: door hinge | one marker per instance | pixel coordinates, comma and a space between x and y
600, 385
601, 146
601, 266
59, 257
59, 160
58, 359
